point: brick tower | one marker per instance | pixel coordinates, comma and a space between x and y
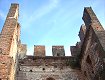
9, 39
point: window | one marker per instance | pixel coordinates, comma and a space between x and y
0, 51
58, 54
55, 66
88, 60
93, 72
85, 73
31, 71
43, 69
50, 78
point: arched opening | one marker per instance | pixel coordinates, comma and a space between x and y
88, 60
58, 54
50, 78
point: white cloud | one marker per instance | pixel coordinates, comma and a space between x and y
2, 15
43, 10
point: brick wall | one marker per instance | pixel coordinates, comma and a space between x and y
41, 68
39, 50
93, 48
58, 51
8, 44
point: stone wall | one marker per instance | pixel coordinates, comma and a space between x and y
5, 67
39, 50
58, 51
22, 50
82, 33
75, 50
93, 48
9, 39
42, 68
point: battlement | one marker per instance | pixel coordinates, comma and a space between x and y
39, 50
58, 51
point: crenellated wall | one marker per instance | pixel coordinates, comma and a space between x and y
39, 50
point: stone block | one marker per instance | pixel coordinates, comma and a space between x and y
39, 50
58, 51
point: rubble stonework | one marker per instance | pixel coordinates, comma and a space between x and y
58, 51
93, 48
41, 68
86, 63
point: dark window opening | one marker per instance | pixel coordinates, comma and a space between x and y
43, 69
33, 58
88, 60
55, 66
0, 51
50, 78
93, 72
85, 73
58, 54
31, 71
22, 62
3, 63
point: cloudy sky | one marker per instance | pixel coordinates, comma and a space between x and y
51, 22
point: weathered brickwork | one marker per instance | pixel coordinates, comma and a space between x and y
91, 52
41, 68
58, 51
39, 50
86, 63
75, 50
93, 48
22, 49
5, 67
82, 33
9, 38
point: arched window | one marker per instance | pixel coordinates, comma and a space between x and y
88, 60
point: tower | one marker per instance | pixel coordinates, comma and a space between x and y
93, 47
9, 38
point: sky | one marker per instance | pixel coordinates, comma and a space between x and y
51, 22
